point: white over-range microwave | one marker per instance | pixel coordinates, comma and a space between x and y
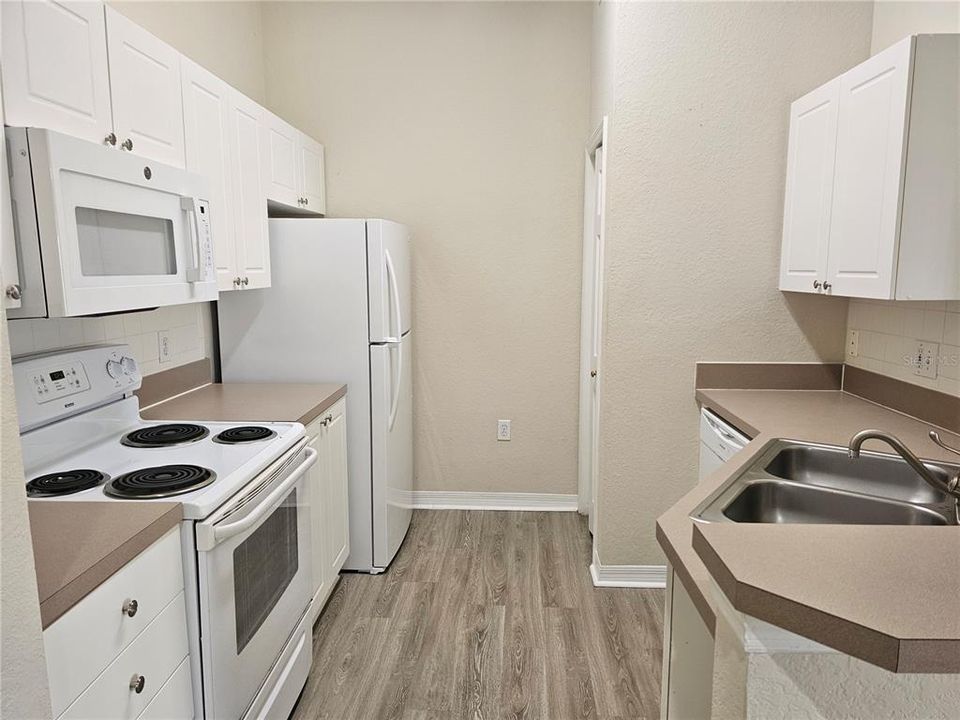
99, 230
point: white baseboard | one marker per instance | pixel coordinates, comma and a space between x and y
628, 576
542, 502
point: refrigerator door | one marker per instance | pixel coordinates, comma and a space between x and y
388, 266
391, 405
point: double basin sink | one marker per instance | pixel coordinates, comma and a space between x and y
795, 482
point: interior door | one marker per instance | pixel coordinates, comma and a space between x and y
391, 397
206, 120
145, 90
809, 189
591, 324
249, 200
870, 155
55, 67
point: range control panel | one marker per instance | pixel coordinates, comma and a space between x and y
54, 385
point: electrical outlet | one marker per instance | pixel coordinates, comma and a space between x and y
503, 429
853, 343
166, 346
926, 359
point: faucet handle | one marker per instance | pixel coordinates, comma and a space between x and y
935, 436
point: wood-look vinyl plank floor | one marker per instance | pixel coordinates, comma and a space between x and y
486, 615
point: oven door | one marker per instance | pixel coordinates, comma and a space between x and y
115, 232
253, 558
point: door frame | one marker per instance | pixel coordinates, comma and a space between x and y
591, 296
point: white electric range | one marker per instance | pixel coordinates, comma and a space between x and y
246, 530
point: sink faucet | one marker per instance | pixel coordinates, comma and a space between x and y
952, 486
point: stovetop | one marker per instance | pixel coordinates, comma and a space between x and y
93, 441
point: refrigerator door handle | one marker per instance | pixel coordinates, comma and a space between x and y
394, 291
397, 341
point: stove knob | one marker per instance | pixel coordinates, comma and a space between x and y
114, 369
129, 365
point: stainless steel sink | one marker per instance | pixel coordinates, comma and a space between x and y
794, 482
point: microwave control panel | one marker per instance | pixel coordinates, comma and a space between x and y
204, 270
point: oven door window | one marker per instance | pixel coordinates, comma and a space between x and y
263, 566
115, 243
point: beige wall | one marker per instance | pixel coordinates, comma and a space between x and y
23, 670
467, 122
695, 202
224, 37
893, 20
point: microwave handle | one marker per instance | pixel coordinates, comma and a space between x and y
194, 270
218, 533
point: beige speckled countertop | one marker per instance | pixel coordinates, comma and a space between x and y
884, 594
250, 402
78, 545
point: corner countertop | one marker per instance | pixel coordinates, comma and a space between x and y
885, 594
250, 402
78, 545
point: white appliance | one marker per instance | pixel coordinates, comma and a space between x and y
246, 529
719, 441
99, 230
340, 311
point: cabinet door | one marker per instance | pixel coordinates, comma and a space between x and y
249, 201
145, 91
9, 262
809, 189
312, 186
206, 119
55, 67
316, 485
864, 225
338, 529
282, 174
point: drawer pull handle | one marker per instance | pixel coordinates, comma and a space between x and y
130, 608
137, 682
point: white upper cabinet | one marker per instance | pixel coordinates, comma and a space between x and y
252, 242
206, 123
873, 174
145, 87
313, 187
55, 67
809, 188
281, 172
870, 159
294, 173
9, 257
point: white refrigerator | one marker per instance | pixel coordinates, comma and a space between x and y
339, 311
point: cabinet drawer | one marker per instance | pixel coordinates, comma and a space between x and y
154, 655
174, 701
81, 643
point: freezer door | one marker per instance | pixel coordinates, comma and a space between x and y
388, 269
392, 444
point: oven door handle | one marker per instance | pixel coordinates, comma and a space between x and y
218, 533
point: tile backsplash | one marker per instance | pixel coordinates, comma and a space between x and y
889, 333
189, 328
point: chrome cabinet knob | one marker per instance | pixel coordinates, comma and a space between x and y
127, 144
110, 139
826, 286
137, 682
816, 284
306, 201
236, 281
130, 607
14, 292
593, 373
246, 281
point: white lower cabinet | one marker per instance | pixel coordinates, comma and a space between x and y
328, 497
111, 654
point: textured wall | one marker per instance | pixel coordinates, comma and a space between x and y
224, 37
467, 122
893, 20
23, 671
694, 214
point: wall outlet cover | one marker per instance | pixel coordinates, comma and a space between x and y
926, 359
503, 430
165, 346
853, 343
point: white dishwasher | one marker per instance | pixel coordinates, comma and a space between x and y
719, 441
